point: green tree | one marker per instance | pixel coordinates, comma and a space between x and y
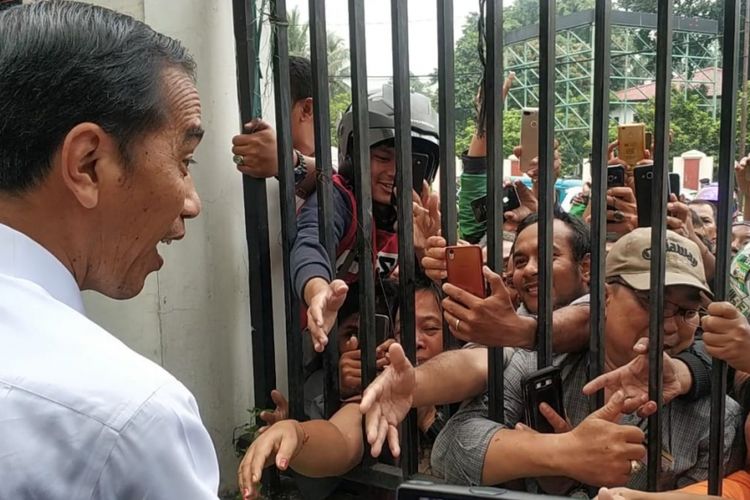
692, 126
298, 34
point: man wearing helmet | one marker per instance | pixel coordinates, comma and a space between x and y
311, 273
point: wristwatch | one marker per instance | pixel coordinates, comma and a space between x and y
300, 168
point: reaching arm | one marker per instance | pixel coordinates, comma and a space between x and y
450, 377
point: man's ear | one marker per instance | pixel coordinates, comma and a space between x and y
85, 149
585, 267
307, 109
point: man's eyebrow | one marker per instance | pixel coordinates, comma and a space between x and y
194, 133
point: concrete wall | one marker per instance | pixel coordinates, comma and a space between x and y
193, 316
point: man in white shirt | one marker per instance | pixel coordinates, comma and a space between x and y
99, 119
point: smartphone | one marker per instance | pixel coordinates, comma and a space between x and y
615, 176
510, 202
674, 184
419, 489
382, 328
542, 386
644, 178
529, 137
631, 142
464, 266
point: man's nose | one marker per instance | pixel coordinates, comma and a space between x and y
192, 206
531, 267
670, 324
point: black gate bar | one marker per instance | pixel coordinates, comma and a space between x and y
256, 212
324, 187
599, 157
658, 234
363, 189
406, 260
730, 51
547, 14
283, 100
494, 130
447, 117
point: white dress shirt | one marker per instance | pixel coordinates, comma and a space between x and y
82, 416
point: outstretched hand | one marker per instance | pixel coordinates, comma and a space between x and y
387, 401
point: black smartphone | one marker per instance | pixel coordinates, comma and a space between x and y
382, 328
427, 490
542, 386
644, 177
510, 202
674, 184
615, 176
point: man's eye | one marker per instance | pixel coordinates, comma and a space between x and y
188, 162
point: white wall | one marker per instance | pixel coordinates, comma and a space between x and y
193, 316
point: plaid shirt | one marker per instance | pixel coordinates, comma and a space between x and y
459, 451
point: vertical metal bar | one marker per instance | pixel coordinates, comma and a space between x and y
363, 189
724, 222
324, 188
658, 233
494, 130
283, 103
256, 212
547, 32
599, 135
406, 260
446, 113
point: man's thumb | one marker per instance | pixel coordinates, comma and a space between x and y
397, 357
497, 285
352, 344
612, 410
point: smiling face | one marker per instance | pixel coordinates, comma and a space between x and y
383, 172
627, 320
428, 325
149, 202
569, 278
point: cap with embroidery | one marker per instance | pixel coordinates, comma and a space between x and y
630, 259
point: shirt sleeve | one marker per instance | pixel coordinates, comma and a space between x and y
459, 450
699, 471
164, 451
699, 364
308, 257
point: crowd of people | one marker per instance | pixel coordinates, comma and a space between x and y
95, 172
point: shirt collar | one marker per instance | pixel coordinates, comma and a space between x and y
21, 257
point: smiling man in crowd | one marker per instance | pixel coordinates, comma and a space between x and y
99, 119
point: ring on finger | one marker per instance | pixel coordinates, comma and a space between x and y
458, 322
238, 159
635, 467
618, 216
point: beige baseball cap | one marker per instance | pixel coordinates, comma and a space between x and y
630, 259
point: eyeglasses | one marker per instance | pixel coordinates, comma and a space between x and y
691, 317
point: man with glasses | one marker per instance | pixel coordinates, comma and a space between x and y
592, 450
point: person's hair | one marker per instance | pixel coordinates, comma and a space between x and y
704, 202
66, 63
696, 219
300, 78
579, 237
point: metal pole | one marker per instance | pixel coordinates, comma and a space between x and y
406, 257
447, 116
599, 134
724, 229
494, 131
658, 234
256, 212
324, 187
547, 32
